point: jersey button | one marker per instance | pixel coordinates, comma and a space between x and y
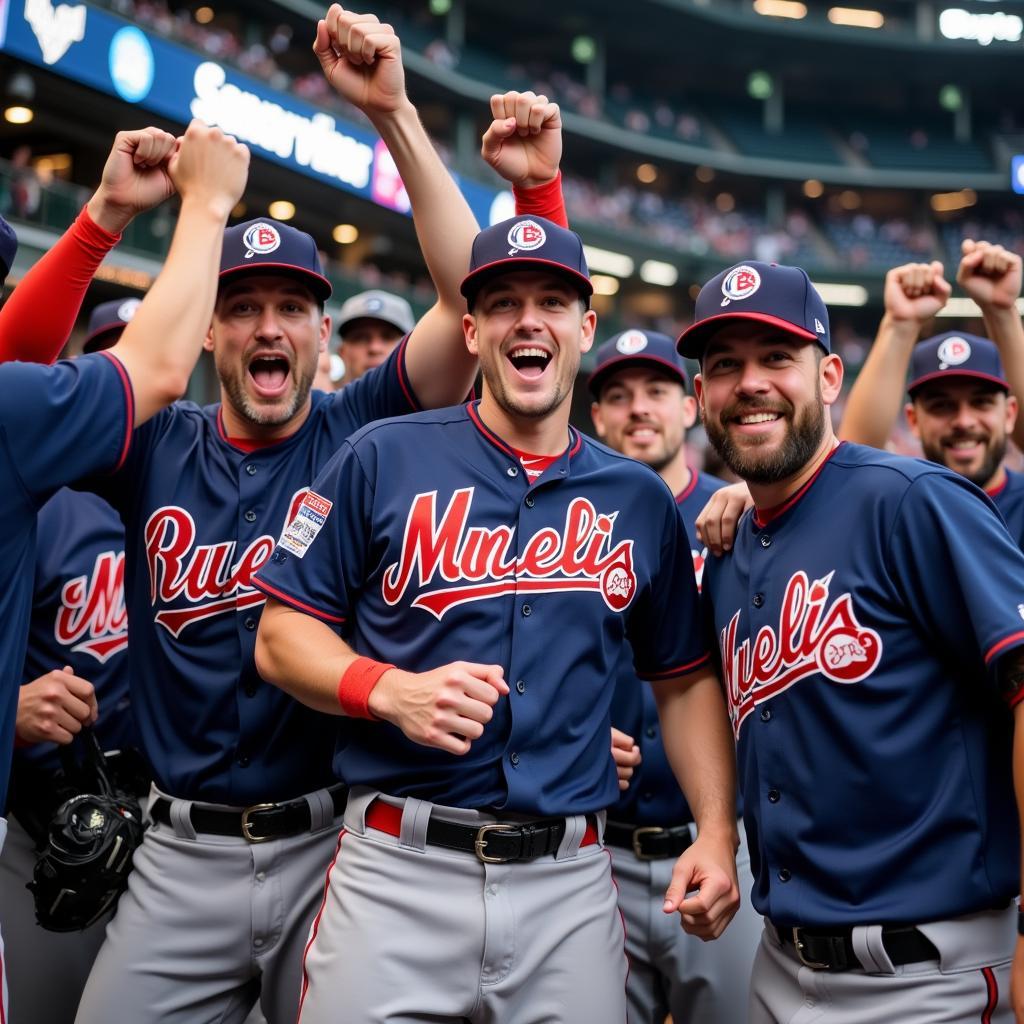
243, 761
529, 501
646, 795
774, 796
520, 686
766, 714
766, 541
651, 732
249, 689
758, 600
514, 757
512, 471
250, 623
785, 874
250, 469
527, 610
250, 516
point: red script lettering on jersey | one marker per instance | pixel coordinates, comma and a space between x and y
812, 639
482, 562
92, 616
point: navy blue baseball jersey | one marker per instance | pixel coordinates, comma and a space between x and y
654, 797
426, 544
78, 611
859, 625
201, 515
1009, 499
57, 423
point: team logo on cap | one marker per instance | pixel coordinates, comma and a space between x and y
526, 236
953, 352
374, 305
740, 283
128, 309
631, 342
261, 238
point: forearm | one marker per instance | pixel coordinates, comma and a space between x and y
160, 346
875, 400
699, 745
36, 321
1005, 329
302, 656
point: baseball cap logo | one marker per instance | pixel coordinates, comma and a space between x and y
526, 236
631, 342
740, 283
953, 352
128, 309
261, 238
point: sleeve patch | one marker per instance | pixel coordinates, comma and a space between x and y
307, 522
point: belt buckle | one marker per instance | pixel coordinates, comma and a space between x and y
645, 830
481, 842
798, 945
247, 825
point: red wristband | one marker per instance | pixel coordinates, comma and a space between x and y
357, 683
543, 200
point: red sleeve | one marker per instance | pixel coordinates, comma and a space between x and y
543, 200
37, 319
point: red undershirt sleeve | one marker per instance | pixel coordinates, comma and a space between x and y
37, 319
543, 201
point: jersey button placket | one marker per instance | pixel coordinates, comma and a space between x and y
250, 516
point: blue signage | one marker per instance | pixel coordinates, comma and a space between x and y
104, 52
1017, 174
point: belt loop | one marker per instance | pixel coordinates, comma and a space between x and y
321, 809
181, 819
575, 827
359, 800
415, 818
869, 948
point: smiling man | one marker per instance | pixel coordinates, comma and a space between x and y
870, 640
494, 568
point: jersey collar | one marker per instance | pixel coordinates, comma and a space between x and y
560, 466
763, 516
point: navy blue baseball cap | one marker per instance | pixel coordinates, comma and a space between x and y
766, 292
526, 243
8, 247
636, 348
268, 245
955, 355
107, 321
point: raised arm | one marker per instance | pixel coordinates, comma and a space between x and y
362, 59
991, 275
160, 346
699, 745
914, 293
36, 321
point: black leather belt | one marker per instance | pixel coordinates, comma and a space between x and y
258, 823
648, 842
833, 950
496, 843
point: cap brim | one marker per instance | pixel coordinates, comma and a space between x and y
343, 326
317, 284
95, 337
596, 380
946, 374
695, 338
474, 281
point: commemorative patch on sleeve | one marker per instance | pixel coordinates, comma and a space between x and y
307, 522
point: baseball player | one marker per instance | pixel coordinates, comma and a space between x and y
502, 562
641, 409
73, 419
370, 325
246, 804
960, 406
75, 664
870, 639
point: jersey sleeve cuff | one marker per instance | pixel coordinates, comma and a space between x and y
679, 670
1004, 645
129, 409
297, 603
403, 376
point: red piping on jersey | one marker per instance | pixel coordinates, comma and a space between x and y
403, 377
762, 517
295, 603
129, 408
680, 670
996, 491
316, 926
248, 445
992, 987
688, 489
1010, 641
575, 438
